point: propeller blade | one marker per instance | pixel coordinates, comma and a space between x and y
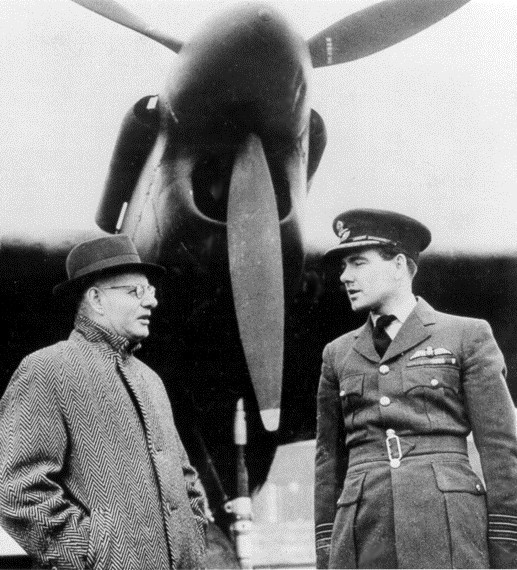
255, 256
376, 28
116, 13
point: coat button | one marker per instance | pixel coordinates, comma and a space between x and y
385, 401
434, 382
384, 369
342, 393
478, 488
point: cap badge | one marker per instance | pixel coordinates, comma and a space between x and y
343, 233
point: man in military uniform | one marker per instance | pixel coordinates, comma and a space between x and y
396, 401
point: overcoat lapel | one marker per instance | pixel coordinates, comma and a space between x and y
144, 407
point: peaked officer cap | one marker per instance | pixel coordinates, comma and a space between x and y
364, 228
105, 255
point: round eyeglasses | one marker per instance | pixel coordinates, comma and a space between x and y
136, 290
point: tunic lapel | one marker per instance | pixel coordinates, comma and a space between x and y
364, 343
414, 330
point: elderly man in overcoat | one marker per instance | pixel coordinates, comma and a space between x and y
396, 401
92, 471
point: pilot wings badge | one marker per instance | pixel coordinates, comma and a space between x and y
430, 355
430, 352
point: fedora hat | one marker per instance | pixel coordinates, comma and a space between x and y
100, 256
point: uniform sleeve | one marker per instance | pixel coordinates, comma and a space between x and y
34, 509
492, 417
331, 458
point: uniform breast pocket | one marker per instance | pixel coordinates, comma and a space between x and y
432, 392
351, 392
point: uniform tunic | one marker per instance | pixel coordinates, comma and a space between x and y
92, 471
420, 505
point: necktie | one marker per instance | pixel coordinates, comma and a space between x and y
381, 339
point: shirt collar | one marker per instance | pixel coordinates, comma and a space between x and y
93, 332
401, 312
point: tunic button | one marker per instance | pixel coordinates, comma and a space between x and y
434, 382
385, 401
384, 369
342, 393
478, 488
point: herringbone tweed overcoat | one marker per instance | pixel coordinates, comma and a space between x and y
92, 471
441, 377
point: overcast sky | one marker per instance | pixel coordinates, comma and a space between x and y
428, 127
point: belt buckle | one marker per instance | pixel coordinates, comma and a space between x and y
394, 461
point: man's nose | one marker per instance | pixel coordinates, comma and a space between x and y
149, 300
345, 276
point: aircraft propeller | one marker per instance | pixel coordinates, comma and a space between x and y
253, 223
377, 27
256, 273
115, 12
358, 35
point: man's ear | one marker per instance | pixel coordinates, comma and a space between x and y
400, 263
94, 300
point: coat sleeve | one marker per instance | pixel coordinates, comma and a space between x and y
492, 417
331, 458
195, 491
34, 508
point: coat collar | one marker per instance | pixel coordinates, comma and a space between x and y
93, 332
413, 332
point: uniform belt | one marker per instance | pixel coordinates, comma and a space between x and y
394, 448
